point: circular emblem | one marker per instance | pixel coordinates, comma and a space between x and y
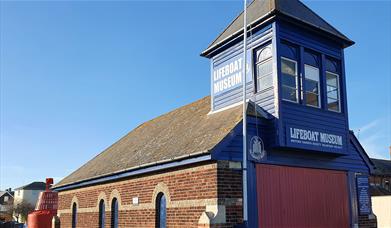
257, 150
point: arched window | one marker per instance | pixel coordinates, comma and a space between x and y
289, 72
311, 88
74, 215
102, 215
114, 213
161, 211
264, 68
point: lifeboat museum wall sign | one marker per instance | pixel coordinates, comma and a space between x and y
227, 75
315, 139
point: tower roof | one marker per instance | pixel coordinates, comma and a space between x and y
259, 11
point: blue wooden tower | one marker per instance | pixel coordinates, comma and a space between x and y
296, 86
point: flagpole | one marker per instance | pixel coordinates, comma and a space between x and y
245, 207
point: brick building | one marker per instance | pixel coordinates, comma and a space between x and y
168, 155
380, 191
380, 180
184, 168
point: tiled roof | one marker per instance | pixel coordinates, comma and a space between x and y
183, 132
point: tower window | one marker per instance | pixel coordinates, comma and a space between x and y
333, 92
264, 68
312, 86
161, 211
289, 79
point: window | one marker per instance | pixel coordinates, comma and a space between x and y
333, 96
264, 68
161, 212
312, 86
102, 215
114, 213
5, 198
74, 215
289, 79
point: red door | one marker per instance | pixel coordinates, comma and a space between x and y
301, 197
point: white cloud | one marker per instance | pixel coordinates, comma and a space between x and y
372, 137
370, 126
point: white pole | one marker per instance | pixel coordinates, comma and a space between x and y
245, 212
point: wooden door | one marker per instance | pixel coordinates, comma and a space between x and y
301, 197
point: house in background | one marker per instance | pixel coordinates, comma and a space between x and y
6, 202
27, 195
380, 189
380, 179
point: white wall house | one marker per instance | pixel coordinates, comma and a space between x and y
29, 195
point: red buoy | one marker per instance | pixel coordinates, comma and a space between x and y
45, 209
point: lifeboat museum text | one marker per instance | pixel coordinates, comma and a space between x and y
315, 138
227, 76
305, 168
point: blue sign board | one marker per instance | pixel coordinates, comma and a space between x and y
314, 139
364, 202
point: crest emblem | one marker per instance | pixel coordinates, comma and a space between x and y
257, 149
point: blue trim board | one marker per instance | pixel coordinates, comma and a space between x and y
135, 172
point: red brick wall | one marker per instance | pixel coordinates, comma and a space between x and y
189, 191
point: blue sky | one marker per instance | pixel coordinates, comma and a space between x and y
78, 75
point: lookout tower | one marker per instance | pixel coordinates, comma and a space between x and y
295, 72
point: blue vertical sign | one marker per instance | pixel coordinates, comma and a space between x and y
364, 200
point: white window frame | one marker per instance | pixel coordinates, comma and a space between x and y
297, 80
319, 89
338, 94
